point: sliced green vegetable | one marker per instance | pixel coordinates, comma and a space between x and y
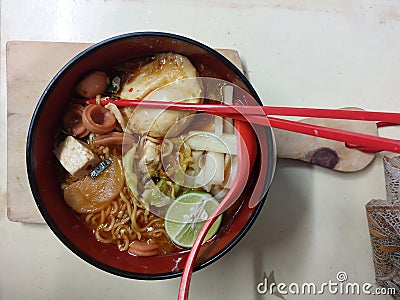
114, 85
187, 215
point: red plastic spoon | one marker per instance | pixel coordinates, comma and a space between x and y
244, 163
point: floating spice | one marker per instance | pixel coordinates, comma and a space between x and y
114, 85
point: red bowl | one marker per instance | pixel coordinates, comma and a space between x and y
42, 166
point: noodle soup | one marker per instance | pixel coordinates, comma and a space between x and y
48, 178
125, 166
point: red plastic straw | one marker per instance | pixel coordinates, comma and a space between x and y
256, 114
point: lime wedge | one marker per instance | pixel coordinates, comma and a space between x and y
186, 216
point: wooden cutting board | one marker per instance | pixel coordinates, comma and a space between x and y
30, 67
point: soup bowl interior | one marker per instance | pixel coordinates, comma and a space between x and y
43, 167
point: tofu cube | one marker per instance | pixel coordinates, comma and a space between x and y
76, 157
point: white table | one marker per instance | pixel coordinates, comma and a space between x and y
296, 53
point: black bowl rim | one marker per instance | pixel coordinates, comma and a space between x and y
33, 184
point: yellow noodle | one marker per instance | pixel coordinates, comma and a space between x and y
117, 231
114, 208
124, 245
108, 210
94, 219
128, 205
101, 239
158, 232
172, 187
88, 217
141, 216
111, 224
133, 222
124, 229
153, 139
121, 213
146, 214
102, 216
132, 235
106, 152
125, 219
143, 229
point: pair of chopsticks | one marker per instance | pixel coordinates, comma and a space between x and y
261, 115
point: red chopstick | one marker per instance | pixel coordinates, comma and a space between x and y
258, 115
348, 114
372, 143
